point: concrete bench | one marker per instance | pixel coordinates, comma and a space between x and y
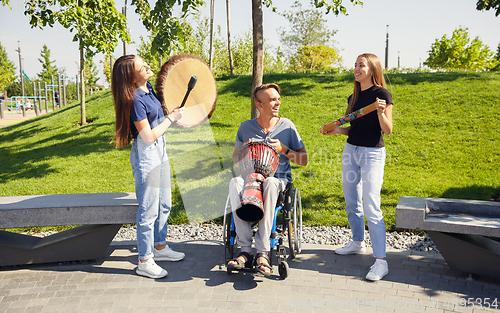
100, 215
464, 231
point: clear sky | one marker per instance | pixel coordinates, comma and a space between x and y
413, 27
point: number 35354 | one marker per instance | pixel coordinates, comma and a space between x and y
471, 303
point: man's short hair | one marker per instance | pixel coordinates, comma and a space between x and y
264, 87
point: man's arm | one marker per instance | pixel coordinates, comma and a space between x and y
298, 157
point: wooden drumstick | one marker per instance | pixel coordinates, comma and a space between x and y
349, 117
191, 84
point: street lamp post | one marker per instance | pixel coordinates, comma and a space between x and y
20, 68
124, 11
387, 48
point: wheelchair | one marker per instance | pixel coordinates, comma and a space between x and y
290, 205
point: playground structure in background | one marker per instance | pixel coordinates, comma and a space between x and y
21, 104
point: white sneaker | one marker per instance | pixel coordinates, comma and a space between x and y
378, 270
352, 248
150, 269
167, 254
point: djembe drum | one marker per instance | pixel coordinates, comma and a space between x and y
258, 161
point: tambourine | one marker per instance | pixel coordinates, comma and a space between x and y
172, 84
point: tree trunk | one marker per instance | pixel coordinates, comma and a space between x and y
258, 50
211, 33
231, 65
82, 86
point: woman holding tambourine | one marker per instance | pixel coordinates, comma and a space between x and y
140, 119
363, 160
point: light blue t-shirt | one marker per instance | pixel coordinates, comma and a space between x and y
284, 131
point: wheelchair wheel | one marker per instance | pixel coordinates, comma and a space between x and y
283, 269
295, 224
228, 235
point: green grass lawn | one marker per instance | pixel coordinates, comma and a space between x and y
445, 142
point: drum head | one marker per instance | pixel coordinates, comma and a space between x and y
171, 87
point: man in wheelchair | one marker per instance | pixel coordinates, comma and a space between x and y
281, 134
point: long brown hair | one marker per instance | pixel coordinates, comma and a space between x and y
377, 78
123, 87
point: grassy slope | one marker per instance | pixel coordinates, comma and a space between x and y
445, 142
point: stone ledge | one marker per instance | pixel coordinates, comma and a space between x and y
470, 217
70, 209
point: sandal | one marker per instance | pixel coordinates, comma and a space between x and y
259, 265
239, 263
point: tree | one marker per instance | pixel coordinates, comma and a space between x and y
107, 65
308, 28
48, 67
167, 31
258, 38
336, 5
97, 25
165, 28
220, 65
243, 53
7, 70
280, 64
459, 52
497, 59
229, 51
196, 38
14, 89
488, 4
196, 35
258, 52
315, 58
91, 73
212, 9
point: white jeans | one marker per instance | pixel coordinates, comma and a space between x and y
362, 178
271, 188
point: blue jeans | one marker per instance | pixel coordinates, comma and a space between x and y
362, 178
151, 171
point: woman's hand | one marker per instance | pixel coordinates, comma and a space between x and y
381, 106
384, 112
149, 135
176, 114
335, 130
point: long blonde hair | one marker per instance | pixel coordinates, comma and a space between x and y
377, 78
123, 87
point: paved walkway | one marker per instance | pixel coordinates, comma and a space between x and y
12, 118
319, 281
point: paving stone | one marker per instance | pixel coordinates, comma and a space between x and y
318, 277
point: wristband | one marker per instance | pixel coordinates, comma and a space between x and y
170, 119
287, 150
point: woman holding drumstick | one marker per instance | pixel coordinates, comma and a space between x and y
363, 161
139, 117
